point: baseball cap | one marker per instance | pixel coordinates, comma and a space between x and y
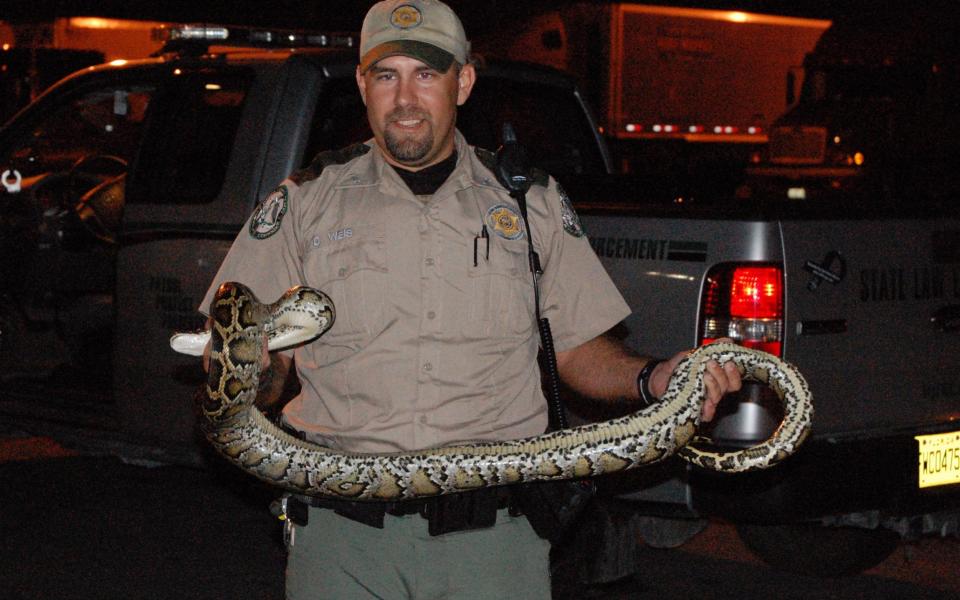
427, 30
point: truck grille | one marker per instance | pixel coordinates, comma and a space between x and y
797, 145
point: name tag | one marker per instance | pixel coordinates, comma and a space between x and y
340, 234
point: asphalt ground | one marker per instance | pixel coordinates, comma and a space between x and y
82, 526
87, 527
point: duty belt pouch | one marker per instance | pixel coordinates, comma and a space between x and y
552, 507
461, 512
296, 512
365, 513
371, 514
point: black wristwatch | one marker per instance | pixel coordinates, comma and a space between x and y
643, 382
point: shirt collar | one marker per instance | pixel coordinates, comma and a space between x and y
372, 169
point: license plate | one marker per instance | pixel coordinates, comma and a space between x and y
939, 459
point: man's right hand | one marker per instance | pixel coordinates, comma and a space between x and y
271, 391
264, 355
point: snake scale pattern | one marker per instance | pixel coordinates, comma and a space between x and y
240, 432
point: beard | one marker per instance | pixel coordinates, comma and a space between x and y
408, 148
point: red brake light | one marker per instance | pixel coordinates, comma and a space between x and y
756, 293
745, 303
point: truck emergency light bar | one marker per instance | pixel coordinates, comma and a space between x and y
198, 38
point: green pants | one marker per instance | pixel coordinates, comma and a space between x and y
335, 558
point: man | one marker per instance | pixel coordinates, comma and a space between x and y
434, 342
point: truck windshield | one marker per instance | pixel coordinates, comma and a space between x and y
104, 121
193, 126
862, 82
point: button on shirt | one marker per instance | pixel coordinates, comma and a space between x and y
428, 348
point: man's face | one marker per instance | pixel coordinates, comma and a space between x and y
412, 108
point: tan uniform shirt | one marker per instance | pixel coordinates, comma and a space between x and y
427, 348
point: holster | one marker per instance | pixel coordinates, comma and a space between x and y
552, 507
462, 512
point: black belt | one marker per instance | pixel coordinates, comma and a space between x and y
444, 514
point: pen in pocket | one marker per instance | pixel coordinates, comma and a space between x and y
486, 238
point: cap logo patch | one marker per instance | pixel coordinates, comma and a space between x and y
267, 216
505, 222
406, 16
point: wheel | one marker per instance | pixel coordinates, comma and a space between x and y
810, 549
661, 532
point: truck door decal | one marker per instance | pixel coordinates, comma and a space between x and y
903, 284
178, 311
880, 285
643, 249
825, 270
687, 251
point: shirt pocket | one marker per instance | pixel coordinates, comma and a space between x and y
500, 293
352, 270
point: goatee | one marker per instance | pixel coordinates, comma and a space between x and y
407, 147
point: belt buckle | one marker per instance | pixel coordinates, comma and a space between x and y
289, 533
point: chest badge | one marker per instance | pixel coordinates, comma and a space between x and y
505, 222
266, 218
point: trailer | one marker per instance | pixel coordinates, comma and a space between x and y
660, 72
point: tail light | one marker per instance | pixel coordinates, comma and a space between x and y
745, 303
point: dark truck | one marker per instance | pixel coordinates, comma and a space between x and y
126, 183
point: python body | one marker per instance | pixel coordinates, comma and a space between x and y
244, 436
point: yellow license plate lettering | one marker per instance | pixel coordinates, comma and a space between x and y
939, 459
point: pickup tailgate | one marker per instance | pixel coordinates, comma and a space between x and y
872, 309
873, 322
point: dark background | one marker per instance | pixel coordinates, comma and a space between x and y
478, 15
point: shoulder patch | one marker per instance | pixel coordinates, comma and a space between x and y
269, 213
571, 222
489, 160
326, 159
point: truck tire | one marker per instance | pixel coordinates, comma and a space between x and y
662, 532
809, 549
